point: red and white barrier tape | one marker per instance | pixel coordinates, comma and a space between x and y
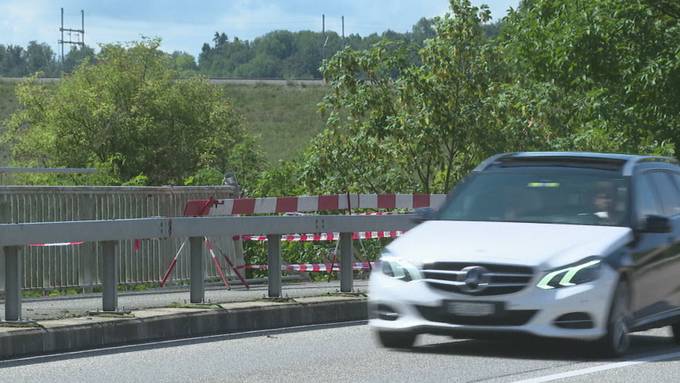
322, 237
55, 244
311, 267
302, 204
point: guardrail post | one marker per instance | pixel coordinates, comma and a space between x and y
197, 270
5, 217
110, 274
274, 265
87, 252
346, 274
13, 283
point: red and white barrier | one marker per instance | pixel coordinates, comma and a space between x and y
311, 267
303, 204
323, 237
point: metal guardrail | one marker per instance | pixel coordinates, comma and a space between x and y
79, 266
108, 232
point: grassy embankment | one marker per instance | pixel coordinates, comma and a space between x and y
285, 117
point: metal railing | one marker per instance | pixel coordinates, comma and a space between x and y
79, 266
108, 233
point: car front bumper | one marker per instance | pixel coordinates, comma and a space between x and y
395, 305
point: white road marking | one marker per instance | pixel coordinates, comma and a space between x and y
604, 367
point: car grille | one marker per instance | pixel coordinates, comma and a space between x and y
502, 279
503, 318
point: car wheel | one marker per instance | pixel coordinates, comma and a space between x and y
676, 332
396, 339
616, 341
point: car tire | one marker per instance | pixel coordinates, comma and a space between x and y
676, 332
396, 339
616, 341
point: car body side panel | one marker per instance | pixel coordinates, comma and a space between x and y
651, 289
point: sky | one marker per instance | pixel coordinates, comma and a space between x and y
186, 25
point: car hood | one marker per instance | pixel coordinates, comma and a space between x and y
532, 244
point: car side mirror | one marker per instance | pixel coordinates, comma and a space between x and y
657, 224
424, 214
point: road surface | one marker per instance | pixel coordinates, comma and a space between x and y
349, 353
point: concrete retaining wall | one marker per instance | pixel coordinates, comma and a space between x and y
161, 324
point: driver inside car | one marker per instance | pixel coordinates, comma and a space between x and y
605, 202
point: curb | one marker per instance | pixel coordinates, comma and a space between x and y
75, 334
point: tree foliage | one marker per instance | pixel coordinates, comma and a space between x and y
621, 59
402, 126
285, 54
128, 116
76, 56
39, 58
16, 61
404, 111
552, 75
278, 54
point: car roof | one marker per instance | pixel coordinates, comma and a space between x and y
613, 161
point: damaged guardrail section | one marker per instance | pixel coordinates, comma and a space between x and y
107, 233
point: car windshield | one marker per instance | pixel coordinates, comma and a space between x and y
566, 196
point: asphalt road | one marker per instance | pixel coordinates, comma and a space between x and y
350, 354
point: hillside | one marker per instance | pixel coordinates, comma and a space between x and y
284, 117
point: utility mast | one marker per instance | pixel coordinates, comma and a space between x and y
75, 36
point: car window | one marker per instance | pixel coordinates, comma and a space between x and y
668, 192
541, 195
645, 198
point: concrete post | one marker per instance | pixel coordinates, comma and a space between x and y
13, 283
110, 275
197, 270
346, 274
274, 265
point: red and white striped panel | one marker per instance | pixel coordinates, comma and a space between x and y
55, 244
311, 267
322, 237
302, 204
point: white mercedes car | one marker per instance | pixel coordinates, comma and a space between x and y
564, 245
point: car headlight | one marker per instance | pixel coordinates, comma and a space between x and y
399, 269
584, 271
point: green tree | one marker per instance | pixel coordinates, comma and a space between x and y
14, 62
128, 116
40, 58
284, 54
2, 57
620, 60
423, 30
600, 76
417, 125
183, 63
75, 56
